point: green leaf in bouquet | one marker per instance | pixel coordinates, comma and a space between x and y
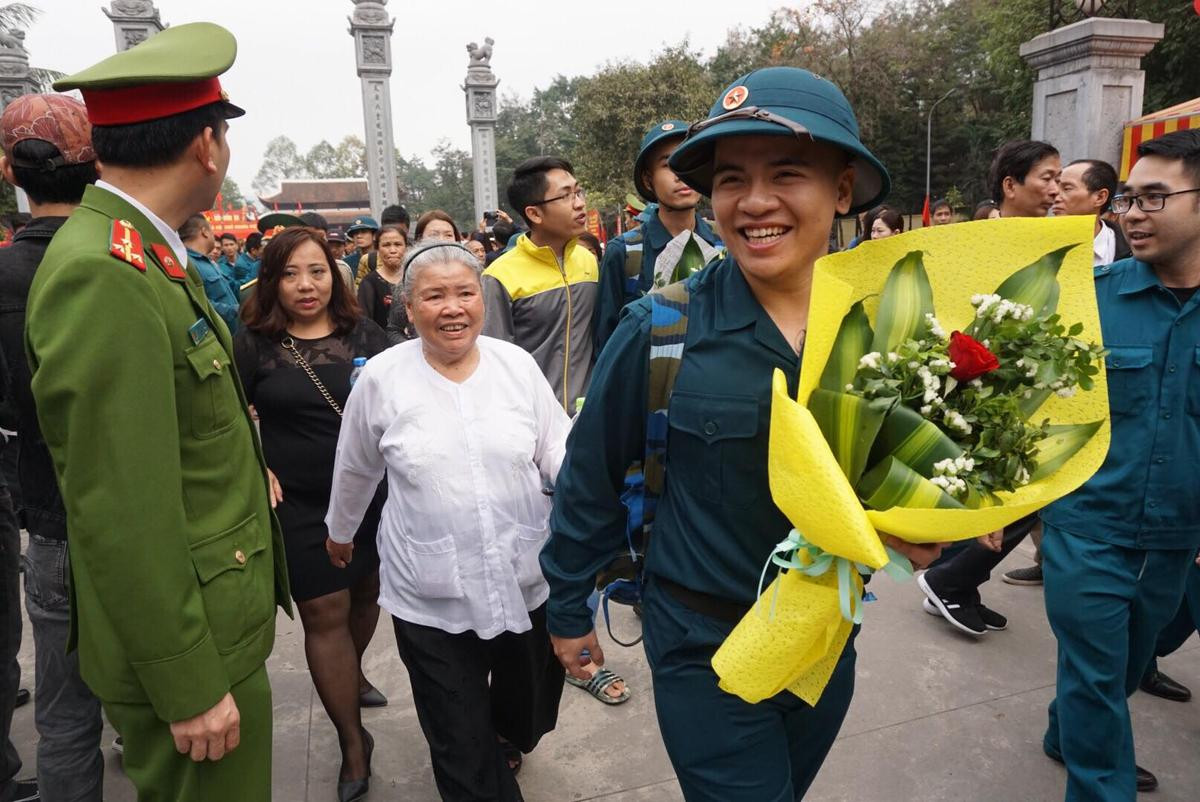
690, 261
907, 298
853, 341
1034, 402
891, 483
977, 499
1061, 443
850, 424
913, 440
1036, 285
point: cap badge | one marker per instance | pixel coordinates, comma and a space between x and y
668, 126
224, 96
735, 97
126, 244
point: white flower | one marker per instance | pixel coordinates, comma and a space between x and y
893, 356
1065, 392
1022, 476
926, 410
849, 387
956, 422
935, 328
914, 365
977, 383
870, 361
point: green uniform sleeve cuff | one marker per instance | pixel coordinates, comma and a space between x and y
185, 685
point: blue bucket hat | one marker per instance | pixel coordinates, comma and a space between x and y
782, 101
363, 224
664, 131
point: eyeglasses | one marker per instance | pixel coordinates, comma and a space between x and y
1147, 201
750, 113
574, 195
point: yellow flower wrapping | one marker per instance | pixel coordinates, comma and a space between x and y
778, 645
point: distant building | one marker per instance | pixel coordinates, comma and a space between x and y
339, 200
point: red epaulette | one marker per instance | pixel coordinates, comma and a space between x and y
126, 244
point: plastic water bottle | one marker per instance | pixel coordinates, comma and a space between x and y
359, 363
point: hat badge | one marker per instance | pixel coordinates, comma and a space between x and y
668, 126
735, 97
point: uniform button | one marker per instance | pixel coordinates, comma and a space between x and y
240, 556
710, 428
1153, 503
1171, 369
1166, 416
216, 364
1159, 460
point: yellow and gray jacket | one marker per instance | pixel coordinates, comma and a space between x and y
546, 308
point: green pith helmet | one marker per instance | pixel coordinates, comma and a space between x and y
663, 132
782, 101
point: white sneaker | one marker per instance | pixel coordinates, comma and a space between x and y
118, 745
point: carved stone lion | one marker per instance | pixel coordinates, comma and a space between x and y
13, 39
481, 56
134, 8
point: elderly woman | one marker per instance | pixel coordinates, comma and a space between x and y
303, 332
375, 291
468, 434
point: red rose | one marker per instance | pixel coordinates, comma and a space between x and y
971, 359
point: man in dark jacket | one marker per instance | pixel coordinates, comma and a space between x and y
52, 163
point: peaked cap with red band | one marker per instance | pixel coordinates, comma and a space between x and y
171, 72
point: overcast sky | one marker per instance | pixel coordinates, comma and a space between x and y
295, 75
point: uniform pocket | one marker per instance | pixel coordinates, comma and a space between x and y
1127, 372
236, 581
528, 544
214, 399
1193, 391
46, 573
715, 437
435, 568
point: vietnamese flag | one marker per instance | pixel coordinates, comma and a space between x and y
926, 220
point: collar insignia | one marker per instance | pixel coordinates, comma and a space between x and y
126, 244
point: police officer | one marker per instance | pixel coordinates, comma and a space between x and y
176, 558
1116, 552
780, 156
362, 236
627, 272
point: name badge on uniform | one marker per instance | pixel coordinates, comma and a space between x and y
198, 331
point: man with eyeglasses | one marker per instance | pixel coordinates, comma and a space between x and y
541, 294
1117, 551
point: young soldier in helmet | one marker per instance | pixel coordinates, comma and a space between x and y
628, 270
780, 157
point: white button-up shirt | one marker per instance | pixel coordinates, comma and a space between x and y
466, 463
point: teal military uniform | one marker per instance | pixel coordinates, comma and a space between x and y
715, 524
221, 289
176, 558
1116, 552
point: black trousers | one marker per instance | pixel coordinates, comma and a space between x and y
468, 690
10, 637
958, 576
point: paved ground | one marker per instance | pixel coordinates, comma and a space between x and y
937, 717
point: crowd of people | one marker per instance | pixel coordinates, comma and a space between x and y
472, 433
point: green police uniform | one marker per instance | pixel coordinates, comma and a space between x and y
176, 558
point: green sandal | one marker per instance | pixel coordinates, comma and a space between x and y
599, 684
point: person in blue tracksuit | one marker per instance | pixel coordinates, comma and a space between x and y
1117, 551
780, 155
627, 271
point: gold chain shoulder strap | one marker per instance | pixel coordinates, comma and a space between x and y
290, 345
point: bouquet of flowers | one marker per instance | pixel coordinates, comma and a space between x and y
932, 422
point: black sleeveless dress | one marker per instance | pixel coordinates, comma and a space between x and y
299, 431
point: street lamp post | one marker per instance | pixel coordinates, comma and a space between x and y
929, 144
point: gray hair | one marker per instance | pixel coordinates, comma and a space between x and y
430, 252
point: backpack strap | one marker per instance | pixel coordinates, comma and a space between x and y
633, 262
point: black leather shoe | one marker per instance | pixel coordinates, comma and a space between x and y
1159, 684
355, 790
22, 697
1145, 780
372, 697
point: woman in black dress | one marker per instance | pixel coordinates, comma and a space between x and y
378, 286
295, 355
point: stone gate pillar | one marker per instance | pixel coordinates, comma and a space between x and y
1089, 84
480, 88
15, 81
134, 21
372, 31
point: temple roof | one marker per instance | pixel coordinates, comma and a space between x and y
351, 192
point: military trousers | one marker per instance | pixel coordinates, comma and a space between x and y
1183, 625
161, 774
722, 748
1106, 605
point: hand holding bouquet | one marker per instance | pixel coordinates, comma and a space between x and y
929, 421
